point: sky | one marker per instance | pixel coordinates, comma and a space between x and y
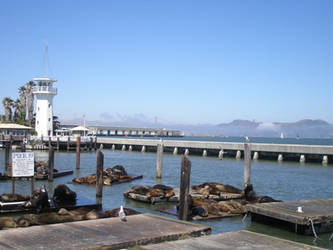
176, 62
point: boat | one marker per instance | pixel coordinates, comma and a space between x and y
282, 135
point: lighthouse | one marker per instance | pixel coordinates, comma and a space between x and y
44, 92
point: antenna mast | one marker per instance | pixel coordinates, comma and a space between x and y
46, 58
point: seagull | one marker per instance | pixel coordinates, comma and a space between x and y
247, 138
122, 214
300, 210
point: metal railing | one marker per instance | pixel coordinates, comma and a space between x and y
44, 89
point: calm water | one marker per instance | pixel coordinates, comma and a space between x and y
286, 181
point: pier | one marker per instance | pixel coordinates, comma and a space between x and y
109, 233
278, 152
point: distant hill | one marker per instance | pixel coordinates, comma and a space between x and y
306, 128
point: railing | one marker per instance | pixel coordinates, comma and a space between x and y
43, 89
61, 138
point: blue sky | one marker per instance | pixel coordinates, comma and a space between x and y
183, 61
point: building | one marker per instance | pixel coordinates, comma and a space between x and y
14, 129
44, 92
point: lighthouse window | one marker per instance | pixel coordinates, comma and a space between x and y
49, 105
49, 119
38, 108
37, 122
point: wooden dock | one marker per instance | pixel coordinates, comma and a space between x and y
234, 240
296, 216
107, 233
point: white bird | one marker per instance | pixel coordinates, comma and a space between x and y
247, 138
299, 209
122, 214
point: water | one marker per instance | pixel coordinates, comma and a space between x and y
287, 181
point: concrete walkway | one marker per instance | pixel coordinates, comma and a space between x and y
109, 233
243, 239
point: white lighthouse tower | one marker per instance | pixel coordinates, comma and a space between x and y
44, 93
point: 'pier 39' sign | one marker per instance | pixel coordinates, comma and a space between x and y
23, 164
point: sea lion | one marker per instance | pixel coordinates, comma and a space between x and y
115, 212
163, 187
7, 222
27, 220
93, 215
251, 196
118, 170
14, 197
155, 193
39, 200
143, 190
63, 194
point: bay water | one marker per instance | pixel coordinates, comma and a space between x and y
287, 181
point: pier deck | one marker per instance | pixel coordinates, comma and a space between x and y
320, 212
111, 232
234, 240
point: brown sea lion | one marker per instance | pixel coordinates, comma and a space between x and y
168, 194
14, 197
115, 212
93, 215
7, 222
143, 190
118, 170
163, 187
155, 193
64, 195
27, 220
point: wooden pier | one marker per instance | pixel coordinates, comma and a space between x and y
298, 216
233, 240
107, 233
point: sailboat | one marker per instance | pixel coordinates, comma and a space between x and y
282, 135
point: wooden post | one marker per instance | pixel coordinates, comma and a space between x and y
49, 141
32, 185
13, 185
90, 143
247, 163
184, 196
99, 173
51, 163
159, 159
58, 143
68, 140
7, 152
95, 144
78, 142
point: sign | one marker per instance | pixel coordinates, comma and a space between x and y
23, 164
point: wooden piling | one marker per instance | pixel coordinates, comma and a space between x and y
90, 143
49, 141
7, 153
51, 164
99, 173
247, 163
159, 160
58, 143
78, 142
184, 197
95, 144
68, 142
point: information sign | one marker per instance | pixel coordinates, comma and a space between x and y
23, 164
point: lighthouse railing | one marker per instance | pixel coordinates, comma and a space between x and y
45, 89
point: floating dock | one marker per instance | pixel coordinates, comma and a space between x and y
16, 207
234, 240
297, 216
109, 233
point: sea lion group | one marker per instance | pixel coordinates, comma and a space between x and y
61, 216
207, 207
14, 197
157, 190
116, 174
40, 199
215, 188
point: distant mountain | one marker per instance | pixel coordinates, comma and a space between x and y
306, 128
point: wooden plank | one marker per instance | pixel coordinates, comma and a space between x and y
233, 240
317, 210
108, 233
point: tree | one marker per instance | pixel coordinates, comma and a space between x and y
18, 110
7, 103
30, 85
23, 100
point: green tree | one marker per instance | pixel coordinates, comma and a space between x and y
7, 103
29, 86
23, 100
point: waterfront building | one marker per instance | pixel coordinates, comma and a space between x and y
44, 92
